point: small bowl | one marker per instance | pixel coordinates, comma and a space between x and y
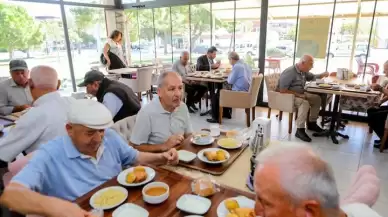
156, 199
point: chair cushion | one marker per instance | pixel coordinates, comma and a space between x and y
124, 127
272, 80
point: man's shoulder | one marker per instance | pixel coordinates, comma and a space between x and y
55, 147
5, 83
359, 210
288, 71
148, 109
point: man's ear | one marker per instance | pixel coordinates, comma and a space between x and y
31, 84
59, 84
312, 208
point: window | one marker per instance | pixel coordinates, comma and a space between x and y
180, 30
314, 31
103, 2
88, 36
200, 17
223, 28
147, 36
39, 38
163, 34
134, 35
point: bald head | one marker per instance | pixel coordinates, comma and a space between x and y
44, 77
306, 63
185, 56
294, 176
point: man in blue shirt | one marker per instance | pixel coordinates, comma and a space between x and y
70, 166
240, 78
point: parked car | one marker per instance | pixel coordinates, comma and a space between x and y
17, 54
345, 50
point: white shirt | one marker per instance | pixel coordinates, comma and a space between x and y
113, 103
359, 210
42, 123
12, 95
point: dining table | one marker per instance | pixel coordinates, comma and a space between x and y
343, 88
178, 185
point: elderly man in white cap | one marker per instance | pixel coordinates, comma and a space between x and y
70, 166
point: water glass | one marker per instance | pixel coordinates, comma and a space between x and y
215, 130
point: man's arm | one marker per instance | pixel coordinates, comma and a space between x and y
25, 201
113, 103
22, 136
5, 109
234, 75
285, 81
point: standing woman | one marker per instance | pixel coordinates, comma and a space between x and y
113, 51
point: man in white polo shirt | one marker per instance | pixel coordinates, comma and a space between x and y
72, 165
165, 122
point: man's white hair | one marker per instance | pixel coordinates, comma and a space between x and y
303, 174
184, 52
162, 77
44, 77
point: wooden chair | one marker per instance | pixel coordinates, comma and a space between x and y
239, 99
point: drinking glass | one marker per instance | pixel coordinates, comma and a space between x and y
215, 130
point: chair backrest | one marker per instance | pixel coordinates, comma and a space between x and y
255, 71
254, 88
143, 79
124, 127
271, 81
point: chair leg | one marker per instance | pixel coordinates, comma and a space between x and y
207, 100
139, 95
220, 115
253, 113
290, 119
269, 113
384, 140
248, 114
280, 115
296, 114
370, 130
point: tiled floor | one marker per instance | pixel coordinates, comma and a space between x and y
345, 158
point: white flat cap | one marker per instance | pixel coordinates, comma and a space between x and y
90, 113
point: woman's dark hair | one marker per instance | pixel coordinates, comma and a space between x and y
115, 34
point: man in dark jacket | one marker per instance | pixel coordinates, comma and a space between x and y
116, 96
206, 62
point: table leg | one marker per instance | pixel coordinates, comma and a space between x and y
332, 131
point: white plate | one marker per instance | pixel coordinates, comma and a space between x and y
204, 144
186, 156
121, 178
241, 200
130, 209
104, 190
202, 157
239, 144
193, 204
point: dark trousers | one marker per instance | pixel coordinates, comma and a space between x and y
227, 112
195, 92
376, 119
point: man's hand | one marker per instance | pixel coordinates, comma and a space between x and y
171, 156
302, 96
62, 208
173, 141
20, 108
325, 74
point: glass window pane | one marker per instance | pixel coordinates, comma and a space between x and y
147, 36
343, 35
133, 30
39, 38
314, 32
223, 27
103, 2
180, 30
88, 36
129, 1
163, 34
200, 30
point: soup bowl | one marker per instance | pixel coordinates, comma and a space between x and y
156, 192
